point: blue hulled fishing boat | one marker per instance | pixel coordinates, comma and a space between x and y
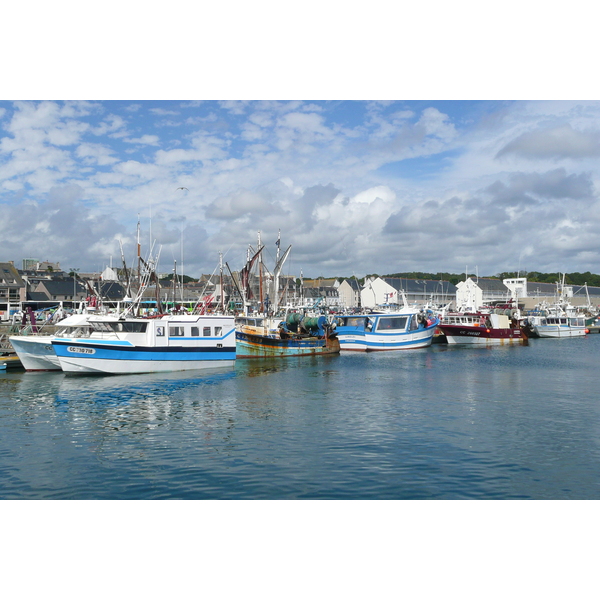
406, 329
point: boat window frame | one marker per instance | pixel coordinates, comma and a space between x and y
394, 321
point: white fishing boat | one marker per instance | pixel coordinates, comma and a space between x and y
406, 329
140, 345
557, 326
559, 319
36, 351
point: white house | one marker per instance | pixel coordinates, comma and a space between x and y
474, 293
109, 274
517, 286
376, 292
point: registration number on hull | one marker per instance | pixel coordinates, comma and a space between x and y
76, 350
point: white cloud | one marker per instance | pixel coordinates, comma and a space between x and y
369, 196
96, 154
323, 173
436, 124
145, 140
556, 142
162, 111
113, 126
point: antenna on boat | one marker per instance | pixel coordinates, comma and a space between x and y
139, 255
182, 271
221, 294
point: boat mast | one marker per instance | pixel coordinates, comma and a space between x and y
174, 285
260, 279
277, 272
182, 271
139, 254
222, 295
127, 279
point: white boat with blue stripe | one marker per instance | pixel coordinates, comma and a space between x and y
407, 329
146, 345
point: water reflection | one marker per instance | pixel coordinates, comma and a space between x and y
455, 423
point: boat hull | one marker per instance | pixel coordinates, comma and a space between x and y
482, 336
558, 332
82, 356
36, 352
358, 339
262, 346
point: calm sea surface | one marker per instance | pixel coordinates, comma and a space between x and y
440, 423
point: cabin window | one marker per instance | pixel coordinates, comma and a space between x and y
175, 331
352, 321
206, 331
126, 327
218, 331
101, 327
160, 331
389, 323
195, 332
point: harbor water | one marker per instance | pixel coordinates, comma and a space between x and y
445, 422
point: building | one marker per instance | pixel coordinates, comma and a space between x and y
318, 283
30, 264
481, 291
13, 289
322, 297
390, 290
48, 266
59, 290
349, 293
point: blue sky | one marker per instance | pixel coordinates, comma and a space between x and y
355, 186
477, 177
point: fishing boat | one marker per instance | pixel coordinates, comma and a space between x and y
406, 329
557, 326
36, 352
265, 331
559, 319
481, 328
143, 345
297, 335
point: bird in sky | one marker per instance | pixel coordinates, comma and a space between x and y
182, 188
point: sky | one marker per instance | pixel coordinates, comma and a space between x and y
356, 187
323, 135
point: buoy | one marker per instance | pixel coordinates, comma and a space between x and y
587, 330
